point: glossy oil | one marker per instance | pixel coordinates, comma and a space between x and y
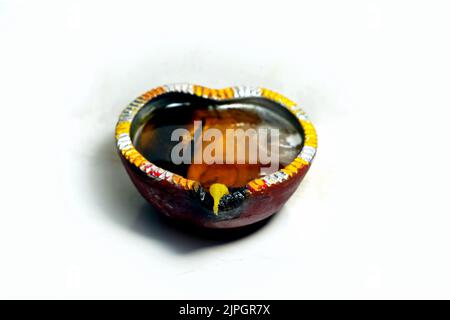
153, 138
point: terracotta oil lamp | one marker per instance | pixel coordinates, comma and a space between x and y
213, 195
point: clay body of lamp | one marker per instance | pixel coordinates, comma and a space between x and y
227, 194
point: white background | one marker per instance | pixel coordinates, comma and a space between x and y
371, 219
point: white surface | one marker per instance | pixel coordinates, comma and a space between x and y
371, 219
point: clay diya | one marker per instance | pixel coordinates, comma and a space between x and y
213, 195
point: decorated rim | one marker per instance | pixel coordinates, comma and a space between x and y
127, 149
